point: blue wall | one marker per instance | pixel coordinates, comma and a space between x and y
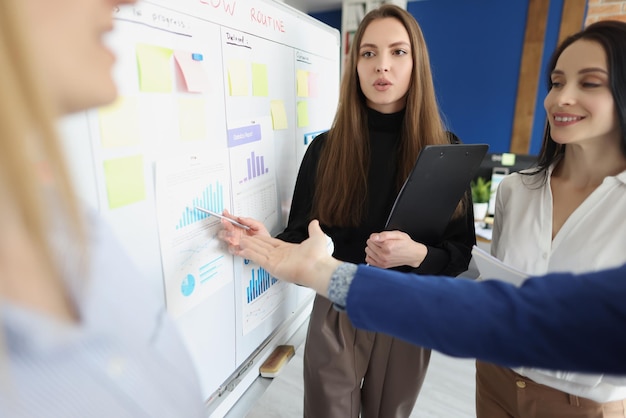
331, 18
475, 49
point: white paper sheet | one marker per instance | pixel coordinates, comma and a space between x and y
492, 268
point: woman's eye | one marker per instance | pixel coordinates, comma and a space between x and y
400, 52
367, 54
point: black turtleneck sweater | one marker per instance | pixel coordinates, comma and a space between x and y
449, 257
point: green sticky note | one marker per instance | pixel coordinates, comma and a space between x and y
155, 71
302, 83
303, 114
125, 181
508, 159
259, 80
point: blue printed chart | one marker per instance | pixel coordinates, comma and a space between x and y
195, 265
259, 283
211, 198
261, 294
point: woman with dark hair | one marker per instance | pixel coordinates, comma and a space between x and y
349, 179
564, 216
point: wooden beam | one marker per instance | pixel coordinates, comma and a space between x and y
530, 70
572, 18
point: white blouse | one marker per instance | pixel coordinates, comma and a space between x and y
592, 238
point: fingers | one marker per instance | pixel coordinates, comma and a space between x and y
314, 228
227, 226
371, 258
228, 215
265, 251
387, 235
254, 225
229, 233
253, 250
260, 242
249, 254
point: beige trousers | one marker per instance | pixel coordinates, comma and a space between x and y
349, 371
502, 393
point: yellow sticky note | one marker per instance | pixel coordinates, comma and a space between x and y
238, 78
155, 71
279, 115
302, 83
119, 123
303, 114
193, 72
125, 181
192, 118
259, 80
508, 159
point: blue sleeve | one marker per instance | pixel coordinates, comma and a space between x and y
558, 321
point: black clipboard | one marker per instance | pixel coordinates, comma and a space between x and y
431, 193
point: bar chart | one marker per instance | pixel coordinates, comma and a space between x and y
255, 165
260, 282
212, 198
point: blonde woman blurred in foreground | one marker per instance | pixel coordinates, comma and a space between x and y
76, 339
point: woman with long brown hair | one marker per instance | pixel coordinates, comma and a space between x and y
349, 179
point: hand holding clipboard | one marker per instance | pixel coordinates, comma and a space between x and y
429, 196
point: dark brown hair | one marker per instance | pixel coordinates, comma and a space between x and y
611, 35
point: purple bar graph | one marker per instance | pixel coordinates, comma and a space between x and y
255, 165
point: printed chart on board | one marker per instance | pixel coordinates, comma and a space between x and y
195, 264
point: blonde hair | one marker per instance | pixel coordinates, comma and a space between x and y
346, 152
31, 159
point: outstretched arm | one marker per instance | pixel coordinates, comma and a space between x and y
558, 321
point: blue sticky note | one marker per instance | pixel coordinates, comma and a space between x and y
197, 57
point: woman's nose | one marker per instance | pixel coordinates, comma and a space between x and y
566, 96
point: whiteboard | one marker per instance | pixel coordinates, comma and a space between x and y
218, 100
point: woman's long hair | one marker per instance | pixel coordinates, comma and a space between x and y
31, 161
341, 184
